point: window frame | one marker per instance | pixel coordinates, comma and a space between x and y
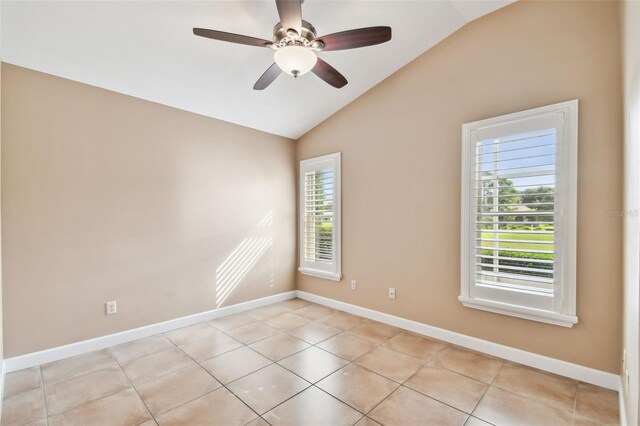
332, 271
563, 312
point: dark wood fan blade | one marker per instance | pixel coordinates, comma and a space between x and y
329, 74
268, 77
290, 12
355, 38
232, 38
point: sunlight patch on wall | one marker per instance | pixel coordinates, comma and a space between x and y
243, 258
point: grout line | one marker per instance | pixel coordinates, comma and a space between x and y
76, 377
291, 397
277, 363
575, 405
225, 386
478, 403
222, 386
44, 396
341, 401
402, 384
132, 386
263, 419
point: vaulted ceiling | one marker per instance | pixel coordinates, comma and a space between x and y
146, 49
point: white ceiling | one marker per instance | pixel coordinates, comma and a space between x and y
146, 49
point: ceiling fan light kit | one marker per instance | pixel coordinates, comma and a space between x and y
296, 45
295, 60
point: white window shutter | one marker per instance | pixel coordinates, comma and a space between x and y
320, 217
518, 248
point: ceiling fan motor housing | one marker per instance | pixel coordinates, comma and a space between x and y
284, 37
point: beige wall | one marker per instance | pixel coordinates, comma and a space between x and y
631, 53
400, 145
107, 197
1, 323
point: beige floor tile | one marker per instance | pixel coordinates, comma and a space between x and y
314, 312
314, 332
63, 396
543, 387
473, 421
293, 304
24, 408
121, 409
279, 346
267, 388
448, 387
347, 346
358, 387
235, 364
138, 348
22, 381
313, 364
149, 367
390, 364
177, 388
92, 389
500, 407
265, 312
259, 421
217, 408
367, 421
312, 406
376, 332
76, 366
342, 320
208, 347
586, 421
597, 403
416, 346
252, 332
196, 331
231, 321
41, 422
408, 407
468, 363
286, 321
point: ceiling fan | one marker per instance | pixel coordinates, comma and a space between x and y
295, 45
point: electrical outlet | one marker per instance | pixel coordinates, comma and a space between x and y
354, 285
392, 293
111, 307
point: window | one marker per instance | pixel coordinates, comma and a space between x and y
519, 179
320, 217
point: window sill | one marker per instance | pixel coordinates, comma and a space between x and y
554, 318
320, 274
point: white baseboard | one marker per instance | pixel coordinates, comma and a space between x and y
3, 373
574, 371
78, 348
563, 368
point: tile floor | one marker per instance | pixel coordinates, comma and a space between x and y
296, 363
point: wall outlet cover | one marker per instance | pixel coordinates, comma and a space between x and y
111, 307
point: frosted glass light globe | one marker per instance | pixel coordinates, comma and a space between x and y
295, 60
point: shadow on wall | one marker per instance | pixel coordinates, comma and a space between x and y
243, 258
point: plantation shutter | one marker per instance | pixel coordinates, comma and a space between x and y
320, 217
518, 236
514, 210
